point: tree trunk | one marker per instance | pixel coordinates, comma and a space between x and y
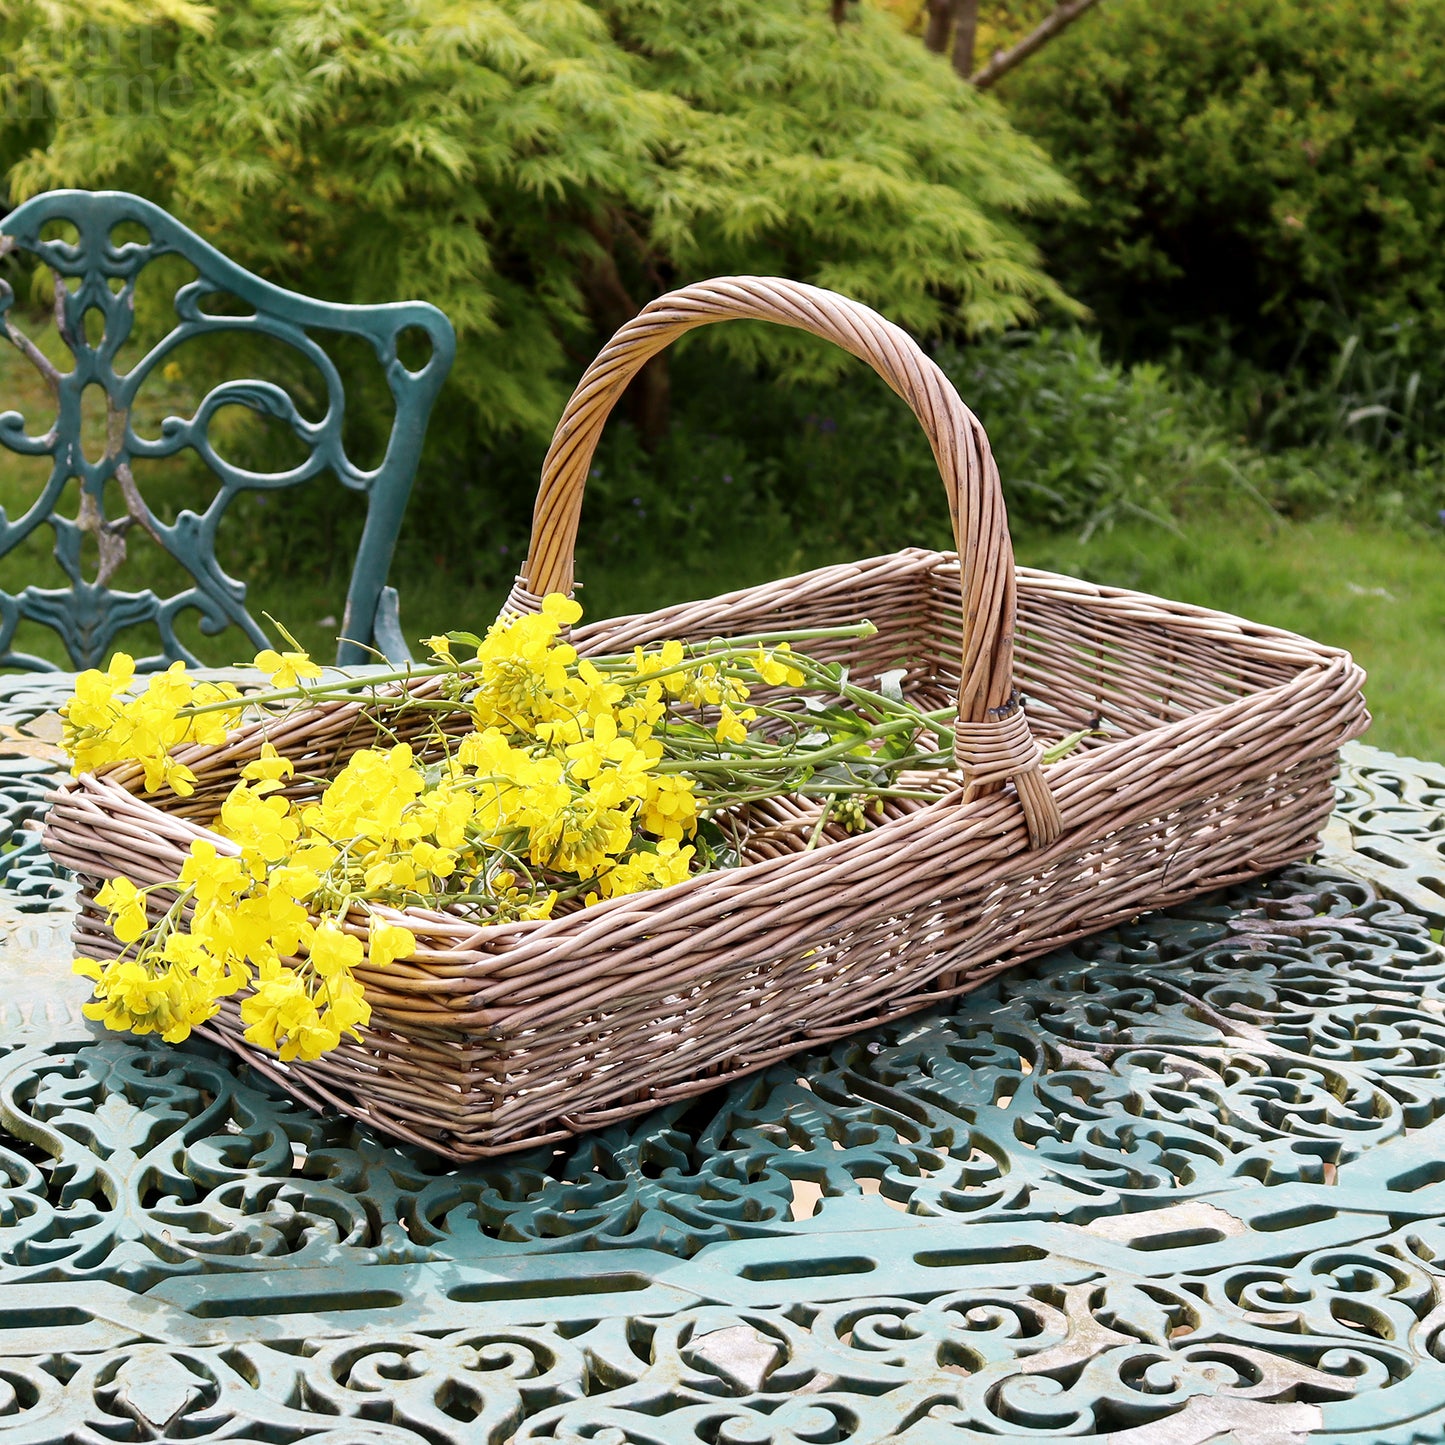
650, 402
940, 17
965, 35
649, 398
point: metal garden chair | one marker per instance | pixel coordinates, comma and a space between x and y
95, 278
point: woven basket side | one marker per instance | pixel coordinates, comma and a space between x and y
591, 1064
891, 592
473, 1093
1137, 662
1126, 677
495, 1038
505, 1044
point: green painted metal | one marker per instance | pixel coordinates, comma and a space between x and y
1390, 828
95, 275
1180, 1183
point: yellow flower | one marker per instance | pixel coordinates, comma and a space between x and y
439, 862
591, 692
733, 727
128, 996
667, 660
671, 810
94, 688
589, 755
264, 827
537, 909
283, 1018
219, 879
346, 1006
643, 870
333, 951
269, 771
102, 727
452, 814
389, 942
269, 925
294, 881
554, 792
211, 728
523, 677
368, 797
314, 853
389, 875
286, 669
561, 609
775, 669
159, 768
126, 906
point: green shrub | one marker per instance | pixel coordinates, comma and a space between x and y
757, 479
763, 479
1380, 387
1084, 442
1246, 160
541, 168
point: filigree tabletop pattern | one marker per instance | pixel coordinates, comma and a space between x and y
1181, 1183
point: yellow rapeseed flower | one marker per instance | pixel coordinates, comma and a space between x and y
389, 942
126, 906
555, 793
286, 669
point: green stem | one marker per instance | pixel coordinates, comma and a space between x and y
842, 749
722, 803
816, 835
703, 651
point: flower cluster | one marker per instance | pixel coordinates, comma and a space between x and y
575, 781
103, 725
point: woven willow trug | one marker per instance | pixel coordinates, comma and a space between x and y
1221, 742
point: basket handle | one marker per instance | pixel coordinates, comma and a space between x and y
992, 742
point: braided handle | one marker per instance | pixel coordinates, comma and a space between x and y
992, 740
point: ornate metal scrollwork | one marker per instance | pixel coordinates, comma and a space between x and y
95, 276
1179, 1182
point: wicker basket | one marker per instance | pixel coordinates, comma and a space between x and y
1223, 741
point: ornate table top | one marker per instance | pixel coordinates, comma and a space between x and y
1181, 1183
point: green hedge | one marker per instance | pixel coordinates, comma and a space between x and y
1244, 162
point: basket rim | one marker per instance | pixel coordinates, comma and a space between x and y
995, 820
1145, 607
995, 817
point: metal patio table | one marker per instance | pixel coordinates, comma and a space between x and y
1181, 1182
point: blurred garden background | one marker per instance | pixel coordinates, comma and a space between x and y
1186, 262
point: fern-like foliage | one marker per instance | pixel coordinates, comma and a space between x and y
540, 168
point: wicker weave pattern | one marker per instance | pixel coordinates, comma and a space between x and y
1223, 741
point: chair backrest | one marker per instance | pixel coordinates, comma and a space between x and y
95, 275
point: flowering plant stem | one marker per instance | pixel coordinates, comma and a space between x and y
336, 688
